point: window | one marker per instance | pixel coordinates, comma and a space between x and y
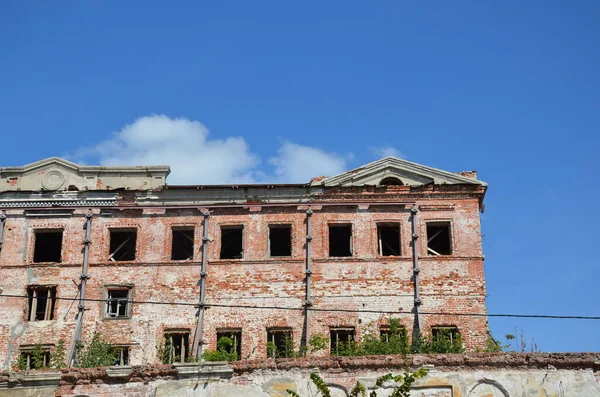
122, 355
122, 245
340, 240
48, 246
280, 240
34, 357
176, 348
182, 247
231, 242
280, 343
449, 333
438, 238
117, 302
388, 237
339, 336
41, 302
391, 181
235, 335
386, 333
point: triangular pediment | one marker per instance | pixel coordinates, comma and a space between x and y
393, 168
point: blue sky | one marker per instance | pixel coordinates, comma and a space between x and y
281, 91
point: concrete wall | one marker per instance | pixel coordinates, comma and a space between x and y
466, 375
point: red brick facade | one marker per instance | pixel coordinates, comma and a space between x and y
362, 284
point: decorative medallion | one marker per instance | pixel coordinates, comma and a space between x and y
53, 180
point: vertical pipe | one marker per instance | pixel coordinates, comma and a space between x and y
2, 222
72, 354
308, 270
198, 336
416, 271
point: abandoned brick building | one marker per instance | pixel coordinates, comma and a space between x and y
116, 250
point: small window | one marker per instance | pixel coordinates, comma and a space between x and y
391, 181
122, 245
122, 355
48, 246
339, 336
235, 336
280, 343
176, 348
182, 247
41, 303
34, 357
438, 239
340, 240
231, 242
117, 302
388, 236
449, 333
386, 333
280, 240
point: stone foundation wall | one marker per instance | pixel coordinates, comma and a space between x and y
461, 375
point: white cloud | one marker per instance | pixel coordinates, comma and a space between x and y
184, 145
195, 158
296, 164
385, 151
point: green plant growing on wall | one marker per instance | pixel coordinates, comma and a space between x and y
287, 349
37, 357
318, 342
98, 353
57, 358
404, 382
165, 352
224, 352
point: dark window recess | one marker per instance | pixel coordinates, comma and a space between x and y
389, 240
337, 336
176, 348
231, 242
391, 181
385, 333
41, 303
438, 239
48, 246
34, 360
117, 302
122, 355
182, 247
122, 245
280, 343
280, 240
340, 240
450, 333
236, 341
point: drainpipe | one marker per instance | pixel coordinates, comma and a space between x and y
72, 354
198, 336
2, 222
308, 270
416, 271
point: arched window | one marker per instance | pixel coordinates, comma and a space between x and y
391, 181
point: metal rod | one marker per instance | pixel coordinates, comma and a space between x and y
198, 336
308, 302
415, 253
2, 222
72, 354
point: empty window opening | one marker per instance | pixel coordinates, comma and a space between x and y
48, 246
391, 181
231, 242
340, 336
230, 341
41, 303
182, 247
122, 245
280, 240
176, 348
386, 333
117, 302
388, 237
446, 333
34, 357
340, 240
280, 343
122, 355
438, 239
